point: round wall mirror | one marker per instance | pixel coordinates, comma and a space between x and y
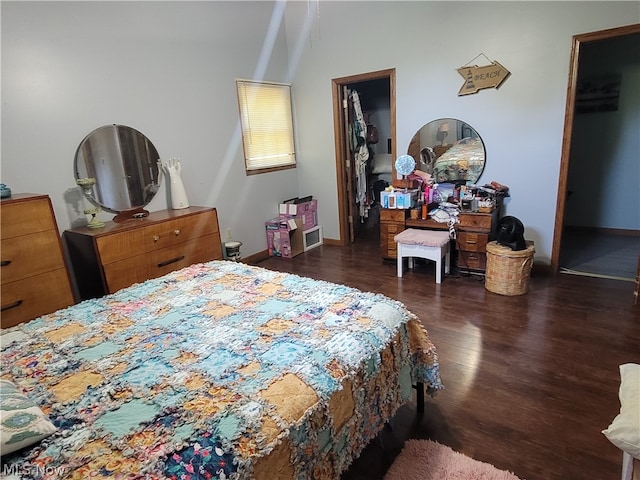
117, 168
450, 150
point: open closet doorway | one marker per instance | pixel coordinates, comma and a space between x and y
364, 115
589, 237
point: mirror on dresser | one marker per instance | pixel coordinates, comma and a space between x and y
450, 150
117, 168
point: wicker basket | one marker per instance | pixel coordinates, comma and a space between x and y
508, 270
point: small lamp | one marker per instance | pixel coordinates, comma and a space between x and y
442, 133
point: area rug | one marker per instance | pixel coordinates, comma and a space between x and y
428, 460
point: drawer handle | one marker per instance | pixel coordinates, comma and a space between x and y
176, 232
5, 263
169, 262
11, 305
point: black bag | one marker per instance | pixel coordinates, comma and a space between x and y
372, 134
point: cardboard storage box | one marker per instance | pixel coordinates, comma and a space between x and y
399, 199
307, 212
284, 237
407, 199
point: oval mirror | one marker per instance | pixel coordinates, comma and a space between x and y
450, 150
117, 168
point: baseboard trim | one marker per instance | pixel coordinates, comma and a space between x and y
579, 273
264, 254
332, 241
541, 269
256, 257
603, 230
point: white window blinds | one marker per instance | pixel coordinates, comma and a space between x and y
267, 125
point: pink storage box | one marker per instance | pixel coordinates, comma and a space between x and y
284, 237
307, 212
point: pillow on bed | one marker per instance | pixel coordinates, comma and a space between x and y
381, 163
22, 423
624, 431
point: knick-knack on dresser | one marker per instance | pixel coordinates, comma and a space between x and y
173, 169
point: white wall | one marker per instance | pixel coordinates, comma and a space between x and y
167, 69
521, 123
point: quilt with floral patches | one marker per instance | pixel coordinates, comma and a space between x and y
216, 371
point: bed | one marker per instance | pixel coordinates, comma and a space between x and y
220, 370
464, 160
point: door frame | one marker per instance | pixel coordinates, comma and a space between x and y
341, 141
572, 88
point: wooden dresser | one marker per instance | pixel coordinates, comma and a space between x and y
474, 231
34, 276
118, 255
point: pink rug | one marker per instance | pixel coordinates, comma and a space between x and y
428, 460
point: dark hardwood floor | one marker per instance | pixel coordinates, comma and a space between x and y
530, 381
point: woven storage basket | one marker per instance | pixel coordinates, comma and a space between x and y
508, 270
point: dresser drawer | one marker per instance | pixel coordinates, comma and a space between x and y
475, 221
392, 246
392, 215
24, 217
472, 241
30, 255
159, 262
31, 297
472, 260
124, 245
392, 230
122, 253
388, 245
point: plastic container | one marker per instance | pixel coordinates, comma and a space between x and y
232, 250
5, 192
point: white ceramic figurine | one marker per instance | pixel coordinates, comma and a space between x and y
173, 169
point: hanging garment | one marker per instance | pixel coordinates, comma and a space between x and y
361, 155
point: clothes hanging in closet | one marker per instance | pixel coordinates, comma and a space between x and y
361, 153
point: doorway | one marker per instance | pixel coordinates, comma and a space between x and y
571, 240
358, 200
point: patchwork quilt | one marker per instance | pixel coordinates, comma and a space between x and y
463, 161
216, 371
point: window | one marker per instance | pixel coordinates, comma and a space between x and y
267, 126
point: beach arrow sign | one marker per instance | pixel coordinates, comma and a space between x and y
477, 78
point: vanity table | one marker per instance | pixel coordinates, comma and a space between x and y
473, 231
451, 151
117, 255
